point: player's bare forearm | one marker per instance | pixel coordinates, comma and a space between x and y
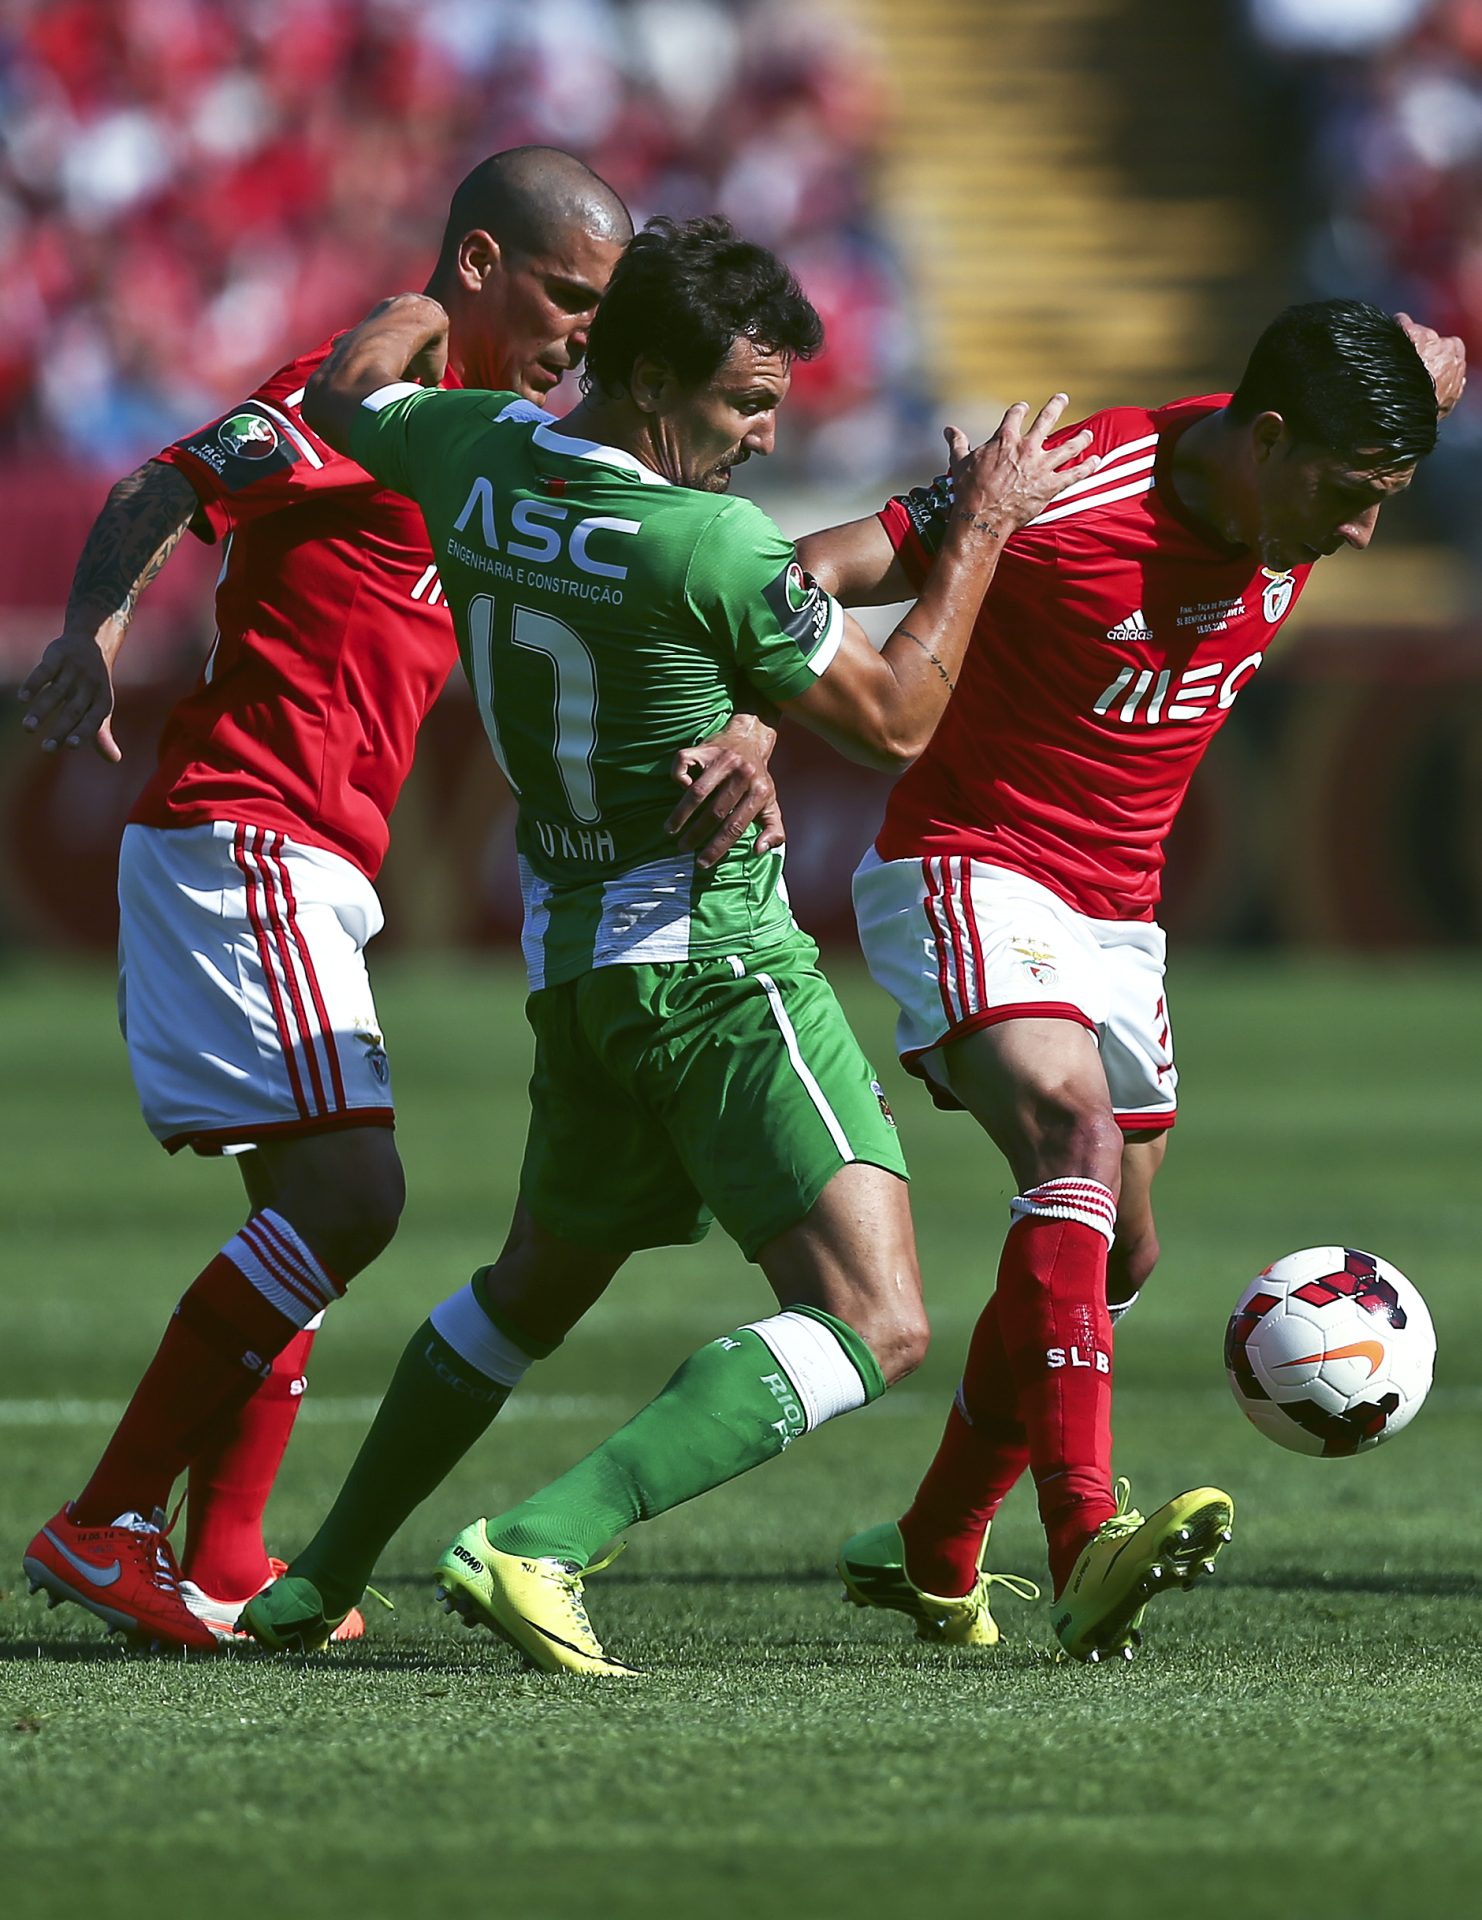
856, 563
69, 692
728, 785
404, 338
139, 528
883, 708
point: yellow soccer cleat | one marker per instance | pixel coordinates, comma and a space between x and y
536, 1605
1129, 1561
872, 1567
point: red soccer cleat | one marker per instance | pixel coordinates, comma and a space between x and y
221, 1616
125, 1574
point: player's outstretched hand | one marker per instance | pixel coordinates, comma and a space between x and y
727, 786
1012, 478
1445, 358
68, 696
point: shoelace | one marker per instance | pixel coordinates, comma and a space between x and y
149, 1545
1126, 1519
571, 1579
1014, 1583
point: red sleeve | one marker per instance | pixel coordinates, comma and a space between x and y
903, 536
261, 456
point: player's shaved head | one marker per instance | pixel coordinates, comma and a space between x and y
528, 199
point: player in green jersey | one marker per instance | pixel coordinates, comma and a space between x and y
614, 603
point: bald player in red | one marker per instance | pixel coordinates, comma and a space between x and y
246, 881
1007, 906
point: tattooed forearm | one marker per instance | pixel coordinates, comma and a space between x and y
131, 539
977, 524
905, 633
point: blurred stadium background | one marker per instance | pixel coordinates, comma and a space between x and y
986, 198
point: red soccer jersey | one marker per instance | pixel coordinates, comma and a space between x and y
332, 636
1112, 643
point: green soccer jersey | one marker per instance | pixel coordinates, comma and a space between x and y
606, 618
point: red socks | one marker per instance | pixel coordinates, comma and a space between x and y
261, 1289
1037, 1386
232, 1476
982, 1453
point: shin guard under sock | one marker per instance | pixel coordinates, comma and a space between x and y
983, 1452
1052, 1300
738, 1401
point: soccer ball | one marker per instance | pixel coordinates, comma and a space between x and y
1330, 1351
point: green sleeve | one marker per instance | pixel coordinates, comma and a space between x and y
406, 433
767, 616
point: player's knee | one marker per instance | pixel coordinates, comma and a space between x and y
352, 1223
1075, 1138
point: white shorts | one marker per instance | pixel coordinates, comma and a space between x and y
242, 989
959, 944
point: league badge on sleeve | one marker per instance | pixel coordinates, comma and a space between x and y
803, 611
243, 448
249, 436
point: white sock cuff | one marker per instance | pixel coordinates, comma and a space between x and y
473, 1336
823, 1376
1086, 1202
1114, 1313
279, 1264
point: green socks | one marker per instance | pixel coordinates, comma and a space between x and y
456, 1373
733, 1404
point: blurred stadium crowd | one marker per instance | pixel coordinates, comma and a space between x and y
1385, 98
190, 189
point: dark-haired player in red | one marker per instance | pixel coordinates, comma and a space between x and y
1008, 905
246, 880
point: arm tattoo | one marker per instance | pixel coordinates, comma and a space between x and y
139, 528
906, 634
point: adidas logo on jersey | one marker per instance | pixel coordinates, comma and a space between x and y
1134, 627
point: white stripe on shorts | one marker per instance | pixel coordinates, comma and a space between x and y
804, 1072
299, 1013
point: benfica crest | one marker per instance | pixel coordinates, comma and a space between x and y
1276, 595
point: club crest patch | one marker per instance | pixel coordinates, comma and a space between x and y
1276, 595
1039, 963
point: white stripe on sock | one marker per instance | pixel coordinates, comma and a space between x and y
274, 1259
473, 1336
823, 1376
1086, 1202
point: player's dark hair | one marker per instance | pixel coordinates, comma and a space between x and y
683, 293
528, 198
1345, 376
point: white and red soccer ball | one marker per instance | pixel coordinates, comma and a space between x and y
1330, 1351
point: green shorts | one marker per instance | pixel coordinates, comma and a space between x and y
665, 1096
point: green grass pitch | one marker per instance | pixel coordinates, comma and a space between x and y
1300, 1736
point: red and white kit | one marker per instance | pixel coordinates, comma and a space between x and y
245, 879
1017, 870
